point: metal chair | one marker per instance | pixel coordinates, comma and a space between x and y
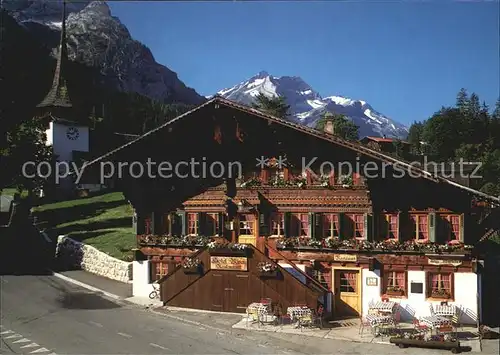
364, 323
253, 314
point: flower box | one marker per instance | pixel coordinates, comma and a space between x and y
269, 274
440, 295
230, 252
192, 270
402, 343
397, 293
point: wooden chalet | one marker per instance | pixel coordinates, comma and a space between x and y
336, 237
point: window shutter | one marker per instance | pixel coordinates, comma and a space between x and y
462, 229
312, 226
263, 225
286, 223
318, 225
152, 272
222, 227
202, 224
432, 227
138, 223
399, 219
365, 226
286, 174
183, 222
341, 225
264, 175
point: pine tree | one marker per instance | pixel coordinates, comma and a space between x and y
463, 100
274, 106
474, 105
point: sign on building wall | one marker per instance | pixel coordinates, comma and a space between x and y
238, 263
371, 281
345, 257
444, 262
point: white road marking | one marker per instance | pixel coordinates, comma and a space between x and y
6, 332
24, 340
41, 350
14, 336
32, 345
124, 335
158, 346
96, 324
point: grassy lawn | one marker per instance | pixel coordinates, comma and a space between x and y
103, 221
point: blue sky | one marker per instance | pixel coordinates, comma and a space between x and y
405, 58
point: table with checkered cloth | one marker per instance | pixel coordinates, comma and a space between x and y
378, 320
445, 310
435, 321
297, 312
386, 307
260, 308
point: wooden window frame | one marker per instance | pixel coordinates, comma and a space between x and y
334, 225
195, 221
353, 232
386, 217
385, 283
428, 284
417, 225
162, 266
277, 218
296, 226
252, 223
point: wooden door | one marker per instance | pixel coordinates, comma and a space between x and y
347, 293
247, 229
217, 291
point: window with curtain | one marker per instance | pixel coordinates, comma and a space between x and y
277, 224
304, 224
167, 224
247, 224
348, 281
212, 224
439, 285
355, 225
421, 227
391, 229
192, 223
395, 282
158, 270
450, 227
331, 226
148, 225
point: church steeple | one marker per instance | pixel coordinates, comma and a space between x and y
58, 96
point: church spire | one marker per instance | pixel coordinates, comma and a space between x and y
58, 96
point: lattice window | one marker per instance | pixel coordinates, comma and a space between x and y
440, 285
158, 270
331, 225
277, 224
421, 225
348, 281
192, 223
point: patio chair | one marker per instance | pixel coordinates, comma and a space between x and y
253, 315
432, 310
455, 321
397, 319
364, 323
419, 327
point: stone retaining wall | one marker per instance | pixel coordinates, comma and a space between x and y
71, 254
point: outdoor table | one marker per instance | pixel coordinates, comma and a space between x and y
262, 309
384, 307
376, 320
445, 310
297, 312
434, 322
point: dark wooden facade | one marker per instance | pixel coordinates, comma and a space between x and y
387, 215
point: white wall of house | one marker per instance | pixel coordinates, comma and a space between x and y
466, 293
141, 287
63, 143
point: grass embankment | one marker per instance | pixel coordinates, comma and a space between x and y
103, 221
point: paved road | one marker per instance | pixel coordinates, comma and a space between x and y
64, 319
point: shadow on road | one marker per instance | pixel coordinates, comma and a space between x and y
86, 300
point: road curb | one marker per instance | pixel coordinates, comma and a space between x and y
86, 286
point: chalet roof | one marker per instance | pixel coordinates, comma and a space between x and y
355, 146
58, 96
381, 140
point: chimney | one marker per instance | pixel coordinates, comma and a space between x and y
329, 127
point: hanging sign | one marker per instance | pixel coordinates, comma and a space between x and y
345, 257
444, 262
229, 263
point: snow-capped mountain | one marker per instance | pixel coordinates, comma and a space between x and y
307, 105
